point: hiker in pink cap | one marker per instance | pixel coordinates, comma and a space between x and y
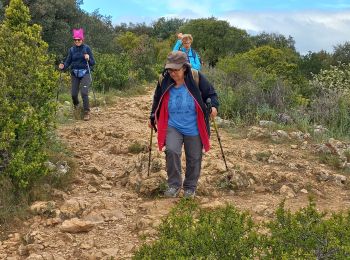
78, 58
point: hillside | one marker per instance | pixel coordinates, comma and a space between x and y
113, 204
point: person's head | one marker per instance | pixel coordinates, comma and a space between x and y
176, 65
187, 41
78, 36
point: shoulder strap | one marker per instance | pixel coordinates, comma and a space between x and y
71, 51
194, 54
195, 76
84, 49
160, 80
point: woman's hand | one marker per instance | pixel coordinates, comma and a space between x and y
179, 36
61, 66
86, 56
214, 112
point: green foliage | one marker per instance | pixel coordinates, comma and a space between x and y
264, 81
164, 28
111, 71
57, 18
98, 30
274, 40
336, 78
128, 41
26, 96
330, 104
331, 160
138, 28
142, 53
191, 233
307, 234
136, 147
313, 62
214, 39
341, 54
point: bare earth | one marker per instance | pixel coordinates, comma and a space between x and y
112, 204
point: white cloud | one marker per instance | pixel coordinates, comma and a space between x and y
311, 30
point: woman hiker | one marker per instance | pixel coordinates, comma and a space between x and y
180, 113
78, 57
183, 43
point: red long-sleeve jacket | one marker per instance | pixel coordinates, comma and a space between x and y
200, 94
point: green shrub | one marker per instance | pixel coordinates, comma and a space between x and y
136, 147
111, 71
27, 90
307, 234
330, 104
191, 233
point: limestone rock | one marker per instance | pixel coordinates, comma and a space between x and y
76, 225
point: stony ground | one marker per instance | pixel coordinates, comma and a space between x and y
113, 204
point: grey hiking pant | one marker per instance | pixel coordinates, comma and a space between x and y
193, 151
84, 83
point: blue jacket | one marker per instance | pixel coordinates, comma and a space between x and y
193, 59
75, 58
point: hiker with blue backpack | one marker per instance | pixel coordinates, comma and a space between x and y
180, 116
183, 43
80, 59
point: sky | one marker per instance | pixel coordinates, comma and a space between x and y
314, 24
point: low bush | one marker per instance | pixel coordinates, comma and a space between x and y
189, 232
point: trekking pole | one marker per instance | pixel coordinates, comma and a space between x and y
209, 106
153, 127
58, 89
92, 89
150, 151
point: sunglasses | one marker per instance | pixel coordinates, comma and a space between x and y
174, 70
77, 40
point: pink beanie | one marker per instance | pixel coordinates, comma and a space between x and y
78, 33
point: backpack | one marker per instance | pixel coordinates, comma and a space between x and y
195, 75
194, 55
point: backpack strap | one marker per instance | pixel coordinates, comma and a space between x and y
195, 76
160, 80
194, 54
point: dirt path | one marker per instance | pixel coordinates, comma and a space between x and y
111, 196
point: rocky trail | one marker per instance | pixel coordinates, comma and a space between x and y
113, 204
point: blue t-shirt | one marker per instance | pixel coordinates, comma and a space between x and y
182, 111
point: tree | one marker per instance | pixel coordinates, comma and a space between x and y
58, 18
214, 39
27, 83
164, 28
281, 63
138, 28
275, 40
341, 53
313, 62
99, 31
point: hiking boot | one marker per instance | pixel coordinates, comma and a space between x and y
86, 116
189, 194
171, 192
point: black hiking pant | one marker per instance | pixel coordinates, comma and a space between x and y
83, 85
